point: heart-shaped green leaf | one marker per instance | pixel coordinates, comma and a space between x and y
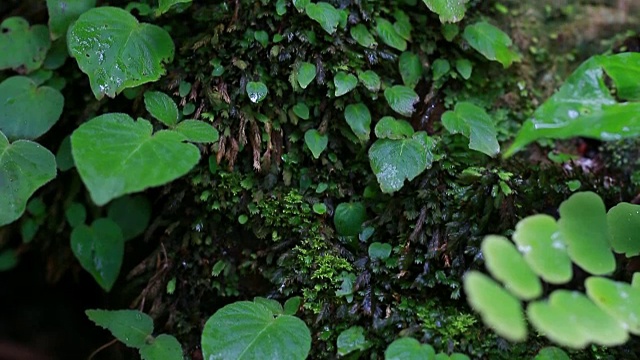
198, 131
26, 110
370, 80
401, 99
464, 68
359, 119
506, 264
449, 10
500, 310
306, 73
24, 167
351, 340
390, 128
344, 83
362, 36
410, 68
624, 70
325, 14
131, 213
316, 142
131, 327
539, 240
116, 155
379, 251
63, 12
245, 330
408, 348
163, 347
100, 249
348, 218
491, 42
21, 46
474, 123
301, 110
583, 225
116, 51
257, 91
387, 32
440, 68
162, 107
394, 161
624, 228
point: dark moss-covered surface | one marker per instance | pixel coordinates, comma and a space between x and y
242, 225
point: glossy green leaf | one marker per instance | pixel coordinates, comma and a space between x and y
24, 167
410, 68
370, 80
394, 161
402, 99
508, 266
344, 83
359, 119
197, 131
21, 46
306, 74
449, 10
474, 123
348, 218
163, 347
116, 51
351, 340
583, 226
245, 330
390, 128
165, 5
256, 91
570, 319
450, 31
389, 35
292, 305
325, 14
624, 228
402, 25
583, 106
26, 110
131, 213
76, 214
362, 36
116, 155
301, 110
131, 327
552, 353
63, 12
99, 249
539, 240
464, 68
379, 251
500, 310
316, 142
320, 208
162, 107
618, 299
624, 70
408, 348
440, 68
491, 42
